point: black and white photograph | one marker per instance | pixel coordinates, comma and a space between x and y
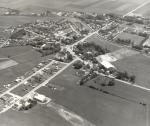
74, 62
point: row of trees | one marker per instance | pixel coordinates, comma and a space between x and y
133, 19
123, 41
125, 76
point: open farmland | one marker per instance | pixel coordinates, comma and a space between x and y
137, 65
8, 21
118, 55
144, 11
103, 43
26, 58
122, 90
98, 6
137, 40
38, 116
96, 107
105, 6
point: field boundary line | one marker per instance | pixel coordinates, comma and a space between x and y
140, 6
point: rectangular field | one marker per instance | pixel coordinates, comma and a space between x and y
137, 65
103, 43
137, 40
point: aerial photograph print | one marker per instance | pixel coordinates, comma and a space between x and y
74, 62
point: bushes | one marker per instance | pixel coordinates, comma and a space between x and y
50, 49
123, 41
89, 50
78, 65
133, 20
125, 77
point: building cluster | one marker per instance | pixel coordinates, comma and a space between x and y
39, 78
30, 101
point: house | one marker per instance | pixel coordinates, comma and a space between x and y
107, 64
39, 97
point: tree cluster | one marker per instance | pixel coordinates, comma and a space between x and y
125, 76
123, 41
90, 50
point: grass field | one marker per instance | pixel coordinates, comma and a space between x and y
26, 58
103, 43
137, 65
96, 107
127, 92
7, 63
38, 116
137, 40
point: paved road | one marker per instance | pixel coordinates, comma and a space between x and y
140, 6
50, 78
9, 90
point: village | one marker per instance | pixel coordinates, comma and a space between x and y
94, 47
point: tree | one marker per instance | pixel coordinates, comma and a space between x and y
78, 65
132, 78
111, 82
69, 56
8, 56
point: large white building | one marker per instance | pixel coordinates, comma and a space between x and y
39, 97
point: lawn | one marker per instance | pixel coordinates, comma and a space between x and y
96, 107
137, 65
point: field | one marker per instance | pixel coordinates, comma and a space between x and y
137, 40
8, 21
137, 65
6, 63
104, 6
144, 11
26, 58
118, 55
96, 107
98, 6
38, 116
103, 43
